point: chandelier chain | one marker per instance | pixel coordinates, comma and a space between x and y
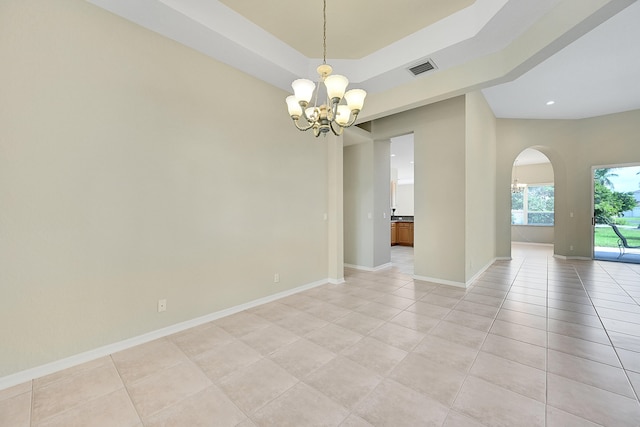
324, 33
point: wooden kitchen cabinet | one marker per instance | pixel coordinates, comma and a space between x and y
404, 231
394, 234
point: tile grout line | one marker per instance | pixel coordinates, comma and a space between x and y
124, 385
385, 376
468, 373
32, 403
388, 375
546, 353
614, 347
77, 405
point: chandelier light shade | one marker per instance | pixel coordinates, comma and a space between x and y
340, 107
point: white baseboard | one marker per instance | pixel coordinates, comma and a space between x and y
479, 273
372, 269
440, 281
336, 281
77, 359
383, 266
457, 284
566, 258
533, 243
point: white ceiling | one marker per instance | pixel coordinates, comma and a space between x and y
595, 75
383, 22
531, 157
522, 53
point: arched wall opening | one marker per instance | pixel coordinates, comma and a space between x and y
532, 198
562, 198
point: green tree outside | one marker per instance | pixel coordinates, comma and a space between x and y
602, 176
610, 204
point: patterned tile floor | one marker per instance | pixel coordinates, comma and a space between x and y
534, 342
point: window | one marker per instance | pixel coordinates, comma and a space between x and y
533, 206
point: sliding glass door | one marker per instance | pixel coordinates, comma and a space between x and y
616, 213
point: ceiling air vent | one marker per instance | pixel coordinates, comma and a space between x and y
422, 68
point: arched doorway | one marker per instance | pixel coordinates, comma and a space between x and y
532, 203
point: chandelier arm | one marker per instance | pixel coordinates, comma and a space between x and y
302, 128
354, 115
334, 108
303, 106
339, 131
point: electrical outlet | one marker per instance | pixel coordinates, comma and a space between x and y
276, 278
162, 305
571, 247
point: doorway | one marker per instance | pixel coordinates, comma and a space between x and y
532, 199
401, 163
616, 213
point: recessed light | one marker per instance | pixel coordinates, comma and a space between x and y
411, 162
393, 155
551, 102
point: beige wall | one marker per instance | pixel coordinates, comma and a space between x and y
574, 147
367, 239
381, 205
480, 185
135, 169
532, 234
358, 203
541, 173
439, 197
454, 189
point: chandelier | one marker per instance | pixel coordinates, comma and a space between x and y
331, 114
516, 187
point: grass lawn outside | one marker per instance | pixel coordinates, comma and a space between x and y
632, 221
605, 237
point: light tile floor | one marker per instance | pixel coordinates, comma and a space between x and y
402, 259
534, 342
